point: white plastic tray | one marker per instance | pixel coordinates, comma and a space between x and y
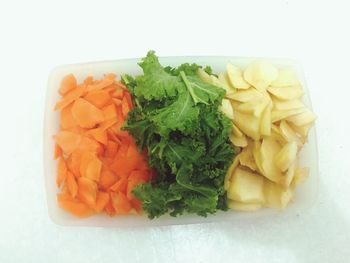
306, 193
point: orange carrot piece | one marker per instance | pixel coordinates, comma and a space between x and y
102, 199
68, 83
87, 191
128, 99
89, 145
86, 159
125, 107
137, 205
86, 114
109, 209
61, 171
58, 151
68, 141
122, 167
70, 97
74, 206
118, 93
109, 112
120, 186
102, 84
120, 203
99, 98
111, 149
88, 81
73, 163
99, 134
117, 102
107, 178
66, 118
72, 184
93, 170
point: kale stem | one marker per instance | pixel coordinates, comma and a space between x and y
188, 86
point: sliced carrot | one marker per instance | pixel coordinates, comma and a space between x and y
61, 171
102, 84
86, 114
58, 151
102, 199
128, 99
68, 83
88, 81
86, 158
125, 107
120, 186
72, 184
67, 120
74, 206
89, 145
87, 191
68, 141
99, 134
118, 93
99, 98
111, 149
93, 170
117, 102
70, 97
109, 112
136, 204
107, 178
73, 163
109, 208
120, 203
122, 167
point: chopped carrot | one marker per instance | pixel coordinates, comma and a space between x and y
68, 141
74, 206
107, 178
86, 114
72, 184
120, 203
99, 164
68, 83
58, 151
87, 191
120, 186
102, 199
61, 172
99, 98
70, 97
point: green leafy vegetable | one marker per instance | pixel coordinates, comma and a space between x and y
176, 118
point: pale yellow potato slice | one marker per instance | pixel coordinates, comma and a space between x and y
230, 170
246, 186
247, 95
243, 207
226, 108
286, 156
276, 134
204, 76
255, 107
237, 137
257, 156
289, 175
300, 175
286, 77
235, 76
246, 157
222, 77
277, 115
289, 134
265, 124
277, 196
260, 74
302, 130
268, 150
303, 118
287, 104
286, 93
248, 124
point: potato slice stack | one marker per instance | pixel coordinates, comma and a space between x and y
270, 125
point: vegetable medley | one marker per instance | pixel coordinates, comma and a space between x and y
180, 140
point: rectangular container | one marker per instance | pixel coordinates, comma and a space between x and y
306, 193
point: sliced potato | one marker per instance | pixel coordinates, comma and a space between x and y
302, 130
248, 124
246, 186
277, 115
235, 76
246, 157
260, 74
287, 93
247, 95
286, 77
276, 196
230, 170
204, 76
287, 104
226, 108
268, 150
277, 135
289, 134
225, 83
257, 156
244, 207
237, 137
286, 156
265, 124
303, 118
289, 175
254, 107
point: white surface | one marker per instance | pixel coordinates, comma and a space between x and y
38, 35
306, 193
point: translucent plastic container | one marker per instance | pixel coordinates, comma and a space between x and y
306, 193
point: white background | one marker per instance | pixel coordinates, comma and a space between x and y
35, 36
